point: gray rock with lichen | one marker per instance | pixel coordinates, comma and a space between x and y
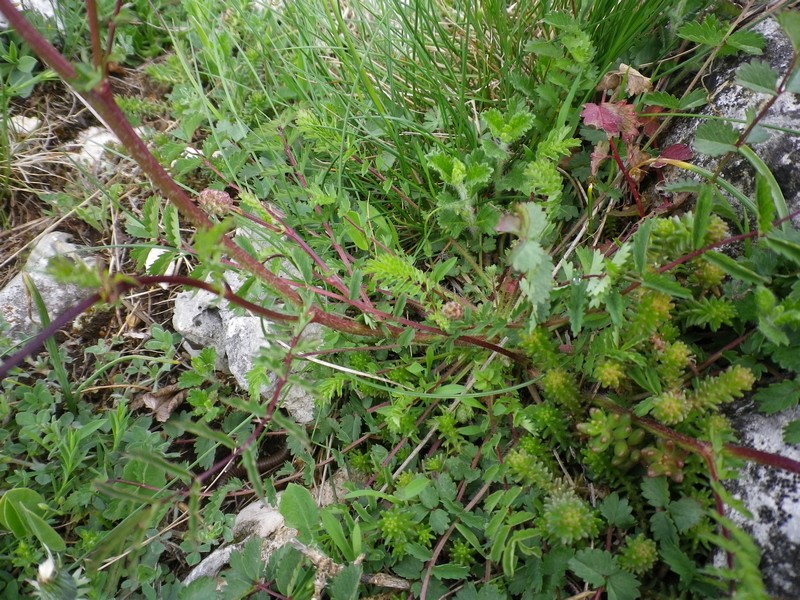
17, 308
771, 495
775, 145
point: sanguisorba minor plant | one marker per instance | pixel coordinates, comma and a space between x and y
535, 414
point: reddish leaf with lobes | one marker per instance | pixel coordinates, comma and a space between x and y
674, 152
617, 119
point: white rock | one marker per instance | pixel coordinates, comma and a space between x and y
264, 521
204, 320
16, 305
780, 150
92, 143
46, 8
773, 497
259, 519
22, 126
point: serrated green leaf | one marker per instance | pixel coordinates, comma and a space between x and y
789, 20
543, 48
749, 42
499, 543
664, 99
622, 586
299, 509
150, 216
450, 571
693, 99
791, 433
247, 562
656, 491
759, 76
778, 396
641, 243
702, 215
346, 583
709, 33
576, 308
784, 244
679, 562
733, 268
715, 138
664, 530
685, 513
413, 488
766, 209
593, 566
172, 226
617, 511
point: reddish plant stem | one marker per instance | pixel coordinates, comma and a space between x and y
343, 256
380, 177
263, 421
98, 57
701, 448
631, 183
112, 30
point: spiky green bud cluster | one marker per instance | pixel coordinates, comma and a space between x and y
462, 553
717, 229
610, 373
542, 349
360, 461
615, 431
533, 446
464, 413
671, 407
665, 459
559, 386
672, 362
548, 420
650, 310
638, 555
448, 429
705, 275
403, 479
567, 518
435, 463
362, 361
425, 535
673, 237
528, 470
397, 528
723, 388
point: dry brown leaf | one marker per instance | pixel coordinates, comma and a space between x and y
636, 83
161, 402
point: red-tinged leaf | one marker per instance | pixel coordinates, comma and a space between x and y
599, 154
651, 124
674, 152
617, 119
508, 223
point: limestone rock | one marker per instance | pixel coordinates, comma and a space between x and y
17, 307
728, 100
